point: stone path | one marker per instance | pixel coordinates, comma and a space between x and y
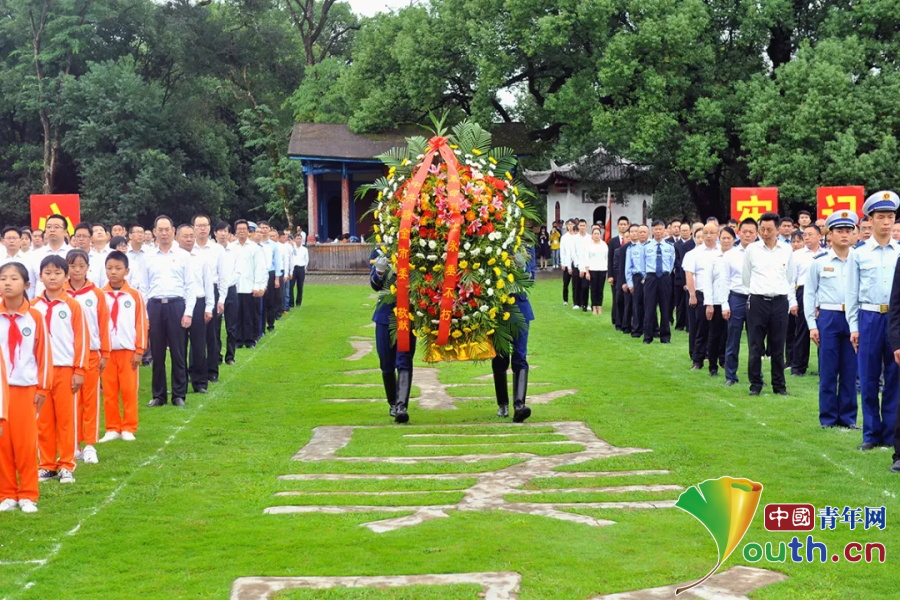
490, 489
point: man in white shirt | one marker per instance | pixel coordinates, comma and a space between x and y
135, 254
273, 264
301, 260
55, 231
171, 295
734, 310
567, 260
211, 253
97, 254
696, 263
202, 275
802, 261
12, 241
287, 265
37, 239
251, 281
768, 277
227, 303
580, 284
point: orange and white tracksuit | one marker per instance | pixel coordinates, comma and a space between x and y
70, 341
127, 336
93, 304
29, 370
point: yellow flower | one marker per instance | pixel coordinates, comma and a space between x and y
476, 266
377, 238
492, 261
509, 175
503, 298
476, 152
426, 329
437, 268
497, 271
448, 348
394, 258
506, 316
404, 163
456, 334
454, 147
511, 300
475, 326
504, 255
393, 290
515, 190
423, 269
463, 264
375, 228
500, 284
467, 329
511, 277
492, 313
519, 202
489, 332
493, 160
507, 263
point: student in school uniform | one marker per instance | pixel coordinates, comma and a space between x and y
29, 373
128, 331
6, 504
70, 342
93, 304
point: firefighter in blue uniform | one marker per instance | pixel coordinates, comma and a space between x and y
396, 367
824, 304
500, 362
869, 283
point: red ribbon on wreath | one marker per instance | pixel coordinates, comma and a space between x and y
436, 145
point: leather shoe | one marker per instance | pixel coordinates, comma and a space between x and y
754, 392
696, 367
157, 402
730, 382
200, 390
895, 468
853, 427
177, 401
214, 379
648, 341
230, 361
714, 373
867, 446
781, 393
503, 410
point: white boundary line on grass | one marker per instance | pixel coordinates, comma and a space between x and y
54, 551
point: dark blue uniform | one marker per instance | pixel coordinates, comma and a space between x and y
391, 361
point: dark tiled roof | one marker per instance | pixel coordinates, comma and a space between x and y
336, 141
598, 167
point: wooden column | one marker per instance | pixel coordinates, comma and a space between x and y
312, 207
345, 205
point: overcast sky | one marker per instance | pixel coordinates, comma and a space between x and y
370, 7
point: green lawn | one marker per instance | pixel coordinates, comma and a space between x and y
179, 513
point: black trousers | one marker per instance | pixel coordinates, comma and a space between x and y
657, 294
637, 304
788, 348
800, 355
578, 287
613, 296
679, 302
297, 286
195, 343
627, 309
566, 279
701, 331
598, 284
718, 335
766, 321
214, 338
274, 301
166, 332
247, 319
232, 322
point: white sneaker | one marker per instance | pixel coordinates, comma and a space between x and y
576, 307
128, 436
110, 436
565, 303
90, 455
65, 476
27, 506
79, 455
8, 505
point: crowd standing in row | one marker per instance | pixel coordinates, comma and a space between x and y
835, 283
81, 314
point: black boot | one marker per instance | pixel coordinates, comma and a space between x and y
520, 386
390, 390
404, 383
502, 392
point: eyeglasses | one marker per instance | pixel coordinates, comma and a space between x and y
81, 236
52, 227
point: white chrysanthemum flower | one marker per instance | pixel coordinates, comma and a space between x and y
420, 255
422, 242
484, 308
419, 313
465, 317
488, 250
490, 292
476, 251
481, 271
467, 245
431, 257
432, 244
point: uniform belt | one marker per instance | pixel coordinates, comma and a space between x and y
166, 300
879, 308
770, 298
840, 307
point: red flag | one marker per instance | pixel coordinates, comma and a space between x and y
608, 235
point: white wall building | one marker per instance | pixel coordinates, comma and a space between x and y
579, 190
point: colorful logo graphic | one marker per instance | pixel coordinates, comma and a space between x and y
725, 506
26, 332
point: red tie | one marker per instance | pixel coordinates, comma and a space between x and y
114, 312
49, 315
15, 339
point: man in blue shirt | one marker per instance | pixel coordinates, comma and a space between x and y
659, 261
